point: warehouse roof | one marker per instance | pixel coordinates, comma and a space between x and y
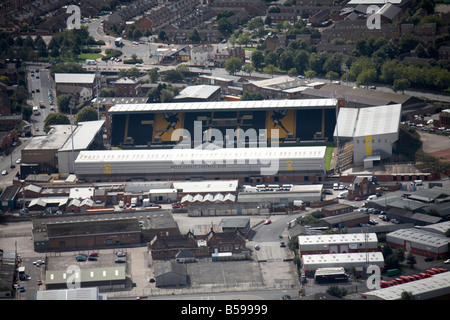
342, 258
83, 135
197, 92
206, 186
224, 105
86, 275
338, 238
431, 287
74, 78
368, 121
420, 236
69, 294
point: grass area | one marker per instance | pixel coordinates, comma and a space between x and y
328, 157
91, 56
249, 48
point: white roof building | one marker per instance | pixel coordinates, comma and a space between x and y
312, 262
433, 287
337, 243
79, 78
373, 130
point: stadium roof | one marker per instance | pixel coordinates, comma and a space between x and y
368, 121
224, 105
83, 135
185, 155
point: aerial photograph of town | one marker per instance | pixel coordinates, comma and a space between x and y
224, 150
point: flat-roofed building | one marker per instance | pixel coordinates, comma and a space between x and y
436, 287
312, 262
107, 278
420, 241
338, 243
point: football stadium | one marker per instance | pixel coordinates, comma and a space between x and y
150, 125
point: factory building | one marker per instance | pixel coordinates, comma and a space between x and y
337, 243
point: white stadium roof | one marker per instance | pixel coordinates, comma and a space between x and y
186, 155
224, 105
368, 121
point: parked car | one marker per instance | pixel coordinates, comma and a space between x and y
21, 288
121, 254
176, 205
282, 244
447, 261
81, 257
92, 258
358, 199
93, 254
120, 261
38, 262
4, 172
268, 221
429, 259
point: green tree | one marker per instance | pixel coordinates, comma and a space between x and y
86, 114
366, 77
270, 69
225, 27
257, 58
249, 68
337, 291
153, 75
407, 295
63, 101
411, 260
194, 35
400, 85
173, 76
55, 118
233, 65
310, 74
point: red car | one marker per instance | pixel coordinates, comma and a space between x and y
358, 199
268, 221
93, 254
176, 206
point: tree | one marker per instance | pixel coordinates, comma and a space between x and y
233, 65
407, 295
270, 69
257, 59
86, 114
173, 76
310, 74
63, 101
244, 39
366, 77
400, 85
337, 291
194, 36
55, 118
162, 35
411, 260
153, 75
225, 27
248, 68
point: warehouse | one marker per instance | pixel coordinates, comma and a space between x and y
109, 278
252, 165
337, 243
170, 274
312, 262
348, 220
420, 241
436, 287
281, 194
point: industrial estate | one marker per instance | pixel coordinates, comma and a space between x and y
272, 149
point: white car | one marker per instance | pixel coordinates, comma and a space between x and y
18, 160
4, 172
447, 261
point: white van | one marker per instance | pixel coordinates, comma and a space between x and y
335, 186
91, 62
343, 195
372, 197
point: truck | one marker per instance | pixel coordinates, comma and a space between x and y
330, 275
118, 42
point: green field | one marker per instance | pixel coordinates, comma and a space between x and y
328, 157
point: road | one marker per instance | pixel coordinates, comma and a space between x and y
39, 84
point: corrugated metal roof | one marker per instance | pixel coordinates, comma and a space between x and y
224, 105
74, 77
436, 285
368, 121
